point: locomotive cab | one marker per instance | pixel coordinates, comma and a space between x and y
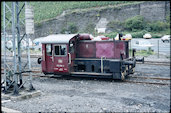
57, 54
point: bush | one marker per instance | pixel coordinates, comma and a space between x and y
63, 31
72, 28
90, 28
156, 35
168, 19
115, 25
157, 26
111, 35
138, 34
135, 23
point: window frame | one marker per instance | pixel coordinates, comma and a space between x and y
51, 50
60, 53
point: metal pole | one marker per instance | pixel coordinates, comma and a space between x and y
18, 42
15, 78
5, 79
29, 64
158, 48
28, 36
130, 48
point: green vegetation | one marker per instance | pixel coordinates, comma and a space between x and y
48, 10
90, 28
144, 53
138, 23
111, 35
134, 24
70, 28
137, 26
115, 24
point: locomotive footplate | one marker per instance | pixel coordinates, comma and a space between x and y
92, 74
113, 68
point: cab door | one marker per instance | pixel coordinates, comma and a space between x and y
61, 59
49, 58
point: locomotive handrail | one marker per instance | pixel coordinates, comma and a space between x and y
69, 54
43, 55
102, 64
52, 56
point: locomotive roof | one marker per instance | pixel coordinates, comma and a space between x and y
58, 38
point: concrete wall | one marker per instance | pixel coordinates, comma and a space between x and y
151, 10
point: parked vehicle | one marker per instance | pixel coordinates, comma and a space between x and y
127, 37
147, 36
165, 38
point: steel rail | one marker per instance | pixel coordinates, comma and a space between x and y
154, 83
35, 74
157, 78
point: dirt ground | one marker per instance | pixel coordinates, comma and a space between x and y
75, 94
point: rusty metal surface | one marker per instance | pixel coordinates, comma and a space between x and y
105, 49
119, 47
86, 49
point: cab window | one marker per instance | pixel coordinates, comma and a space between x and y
71, 47
60, 50
49, 49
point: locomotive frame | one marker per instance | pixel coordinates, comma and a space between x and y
78, 55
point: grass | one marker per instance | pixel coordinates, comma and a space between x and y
48, 10
144, 53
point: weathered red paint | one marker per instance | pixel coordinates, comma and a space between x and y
49, 63
60, 64
43, 59
73, 55
105, 49
82, 49
84, 37
98, 49
119, 47
86, 49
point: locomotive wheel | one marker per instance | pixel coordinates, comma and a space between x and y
133, 70
127, 70
123, 74
130, 69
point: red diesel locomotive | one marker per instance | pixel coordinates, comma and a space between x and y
80, 55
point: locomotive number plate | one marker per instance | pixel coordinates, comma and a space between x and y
60, 61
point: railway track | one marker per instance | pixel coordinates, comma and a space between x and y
154, 83
155, 63
37, 73
165, 79
145, 62
129, 81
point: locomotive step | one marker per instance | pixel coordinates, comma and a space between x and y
91, 73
